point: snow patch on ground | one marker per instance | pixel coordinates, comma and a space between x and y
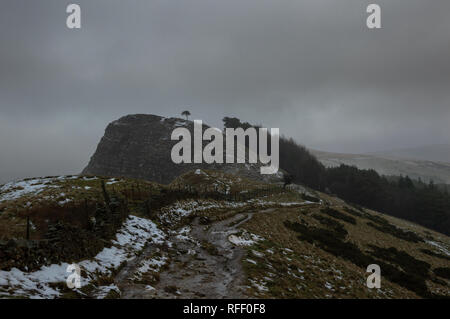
244, 239
176, 212
183, 234
199, 172
260, 202
64, 201
251, 261
260, 285
86, 178
153, 264
34, 187
131, 238
15, 190
149, 265
103, 291
329, 286
439, 246
180, 123
257, 253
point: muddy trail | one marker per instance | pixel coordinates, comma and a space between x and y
202, 263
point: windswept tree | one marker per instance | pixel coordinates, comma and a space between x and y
234, 122
186, 114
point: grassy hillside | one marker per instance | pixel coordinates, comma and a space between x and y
324, 252
213, 235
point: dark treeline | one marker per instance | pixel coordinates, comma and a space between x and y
423, 203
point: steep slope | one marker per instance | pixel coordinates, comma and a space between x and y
139, 146
385, 164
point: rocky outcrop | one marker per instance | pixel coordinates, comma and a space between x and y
139, 146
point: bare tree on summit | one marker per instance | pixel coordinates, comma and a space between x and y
187, 114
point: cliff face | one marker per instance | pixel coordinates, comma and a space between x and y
139, 146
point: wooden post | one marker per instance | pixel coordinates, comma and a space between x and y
106, 197
139, 191
86, 211
28, 227
147, 207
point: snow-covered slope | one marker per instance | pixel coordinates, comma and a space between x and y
131, 238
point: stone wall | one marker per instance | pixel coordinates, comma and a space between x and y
64, 242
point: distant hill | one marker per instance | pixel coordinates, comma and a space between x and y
386, 164
434, 153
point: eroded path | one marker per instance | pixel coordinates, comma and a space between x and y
202, 263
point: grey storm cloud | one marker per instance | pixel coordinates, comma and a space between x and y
311, 68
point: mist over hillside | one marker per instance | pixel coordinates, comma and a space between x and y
434, 153
387, 164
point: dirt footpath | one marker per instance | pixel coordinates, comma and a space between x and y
203, 264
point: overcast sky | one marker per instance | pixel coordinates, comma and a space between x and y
311, 68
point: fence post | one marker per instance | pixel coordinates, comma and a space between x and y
139, 191
132, 191
28, 227
105, 193
86, 211
147, 207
